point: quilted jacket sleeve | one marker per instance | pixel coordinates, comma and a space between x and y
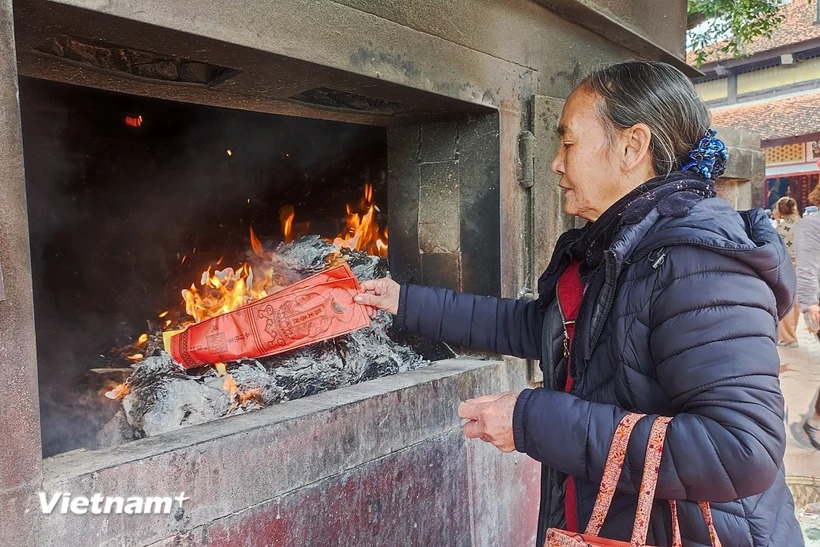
499, 325
713, 351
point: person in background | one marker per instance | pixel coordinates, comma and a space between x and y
771, 218
665, 303
778, 189
807, 251
787, 217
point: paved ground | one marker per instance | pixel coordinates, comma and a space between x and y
800, 380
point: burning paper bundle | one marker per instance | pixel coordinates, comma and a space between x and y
315, 340
314, 309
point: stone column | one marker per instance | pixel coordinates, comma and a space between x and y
742, 183
20, 452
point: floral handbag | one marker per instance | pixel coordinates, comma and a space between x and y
612, 472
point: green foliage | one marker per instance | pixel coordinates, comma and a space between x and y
725, 26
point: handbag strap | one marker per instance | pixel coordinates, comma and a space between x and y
612, 472
651, 466
649, 481
706, 511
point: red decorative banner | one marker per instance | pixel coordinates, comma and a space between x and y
314, 309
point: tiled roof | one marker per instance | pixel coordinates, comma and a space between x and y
773, 119
797, 26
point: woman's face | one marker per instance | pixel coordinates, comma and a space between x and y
591, 177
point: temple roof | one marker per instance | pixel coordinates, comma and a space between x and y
776, 118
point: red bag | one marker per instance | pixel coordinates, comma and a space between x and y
314, 309
612, 472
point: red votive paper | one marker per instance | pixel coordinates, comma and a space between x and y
317, 308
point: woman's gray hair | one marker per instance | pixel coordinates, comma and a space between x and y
659, 96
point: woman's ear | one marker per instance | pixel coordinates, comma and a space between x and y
635, 147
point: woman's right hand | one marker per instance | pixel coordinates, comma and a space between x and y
379, 294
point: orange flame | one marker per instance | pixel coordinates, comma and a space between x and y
239, 396
362, 230
230, 386
118, 392
224, 290
253, 394
286, 214
142, 339
133, 121
258, 249
136, 357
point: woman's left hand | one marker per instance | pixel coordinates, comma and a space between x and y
490, 419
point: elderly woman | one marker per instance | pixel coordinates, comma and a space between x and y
665, 303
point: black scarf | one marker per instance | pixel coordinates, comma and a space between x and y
673, 195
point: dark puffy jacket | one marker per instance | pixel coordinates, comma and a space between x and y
684, 325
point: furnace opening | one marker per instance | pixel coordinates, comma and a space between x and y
130, 199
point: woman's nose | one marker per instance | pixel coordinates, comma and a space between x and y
557, 164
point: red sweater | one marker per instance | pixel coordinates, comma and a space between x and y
570, 290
